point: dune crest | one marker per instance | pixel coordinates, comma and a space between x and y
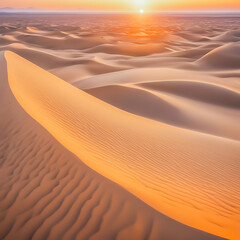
223, 57
149, 159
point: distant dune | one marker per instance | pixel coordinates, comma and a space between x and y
155, 120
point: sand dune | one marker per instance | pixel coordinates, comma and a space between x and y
153, 109
141, 75
229, 36
47, 193
224, 57
178, 111
63, 66
199, 91
129, 49
56, 43
137, 153
6, 29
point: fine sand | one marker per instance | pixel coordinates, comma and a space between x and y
119, 127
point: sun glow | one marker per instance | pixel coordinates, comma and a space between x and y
141, 5
124, 5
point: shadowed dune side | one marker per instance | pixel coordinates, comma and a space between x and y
228, 36
136, 101
141, 75
189, 176
59, 43
70, 69
188, 35
7, 29
195, 52
40, 57
87, 68
7, 39
200, 109
203, 92
223, 57
129, 49
46, 192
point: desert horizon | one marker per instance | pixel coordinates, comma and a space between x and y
120, 126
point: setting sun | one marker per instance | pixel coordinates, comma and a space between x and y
141, 11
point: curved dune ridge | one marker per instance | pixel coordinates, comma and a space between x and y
46, 192
206, 108
223, 57
199, 91
163, 165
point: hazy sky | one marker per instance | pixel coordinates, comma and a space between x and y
124, 4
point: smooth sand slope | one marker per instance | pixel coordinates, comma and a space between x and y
46, 192
188, 175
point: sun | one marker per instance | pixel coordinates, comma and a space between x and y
141, 11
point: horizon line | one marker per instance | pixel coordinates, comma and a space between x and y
84, 11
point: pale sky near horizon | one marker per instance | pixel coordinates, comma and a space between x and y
125, 4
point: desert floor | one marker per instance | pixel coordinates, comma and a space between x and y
119, 127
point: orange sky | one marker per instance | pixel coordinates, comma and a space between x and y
124, 4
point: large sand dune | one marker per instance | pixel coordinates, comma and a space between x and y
154, 111
48, 193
